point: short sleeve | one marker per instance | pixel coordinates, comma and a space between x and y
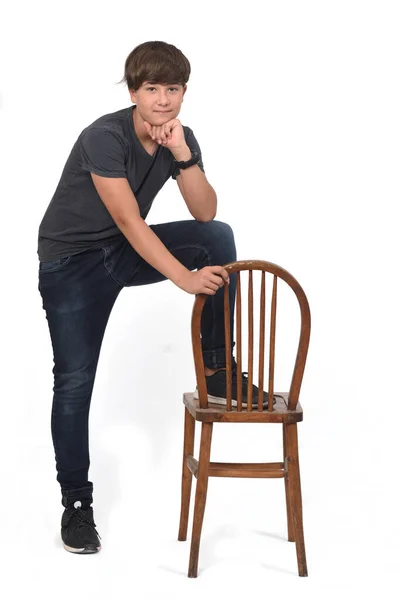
103, 152
194, 146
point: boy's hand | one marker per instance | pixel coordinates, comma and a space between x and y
207, 280
170, 134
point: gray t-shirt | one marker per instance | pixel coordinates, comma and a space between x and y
76, 218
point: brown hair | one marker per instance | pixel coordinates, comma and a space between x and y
155, 62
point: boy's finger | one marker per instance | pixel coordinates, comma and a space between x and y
222, 273
225, 275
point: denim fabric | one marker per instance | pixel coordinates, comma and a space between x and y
79, 292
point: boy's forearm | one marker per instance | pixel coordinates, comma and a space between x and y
143, 239
199, 195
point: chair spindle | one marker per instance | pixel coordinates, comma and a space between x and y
272, 347
239, 341
228, 350
262, 344
250, 360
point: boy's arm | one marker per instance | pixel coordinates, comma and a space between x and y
198, 194
121, 203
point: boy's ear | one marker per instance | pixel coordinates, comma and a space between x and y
133, 95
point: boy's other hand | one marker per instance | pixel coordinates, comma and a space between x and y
207, 280
170, 134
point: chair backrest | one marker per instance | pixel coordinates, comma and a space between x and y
305, 326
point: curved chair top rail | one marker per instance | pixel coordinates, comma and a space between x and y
305, 328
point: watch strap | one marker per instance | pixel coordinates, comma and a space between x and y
185, 164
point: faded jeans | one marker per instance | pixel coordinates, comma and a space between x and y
78, 294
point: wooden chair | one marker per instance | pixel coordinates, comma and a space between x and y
286, 411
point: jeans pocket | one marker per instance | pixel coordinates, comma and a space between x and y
49, 266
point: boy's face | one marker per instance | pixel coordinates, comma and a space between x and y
158, 103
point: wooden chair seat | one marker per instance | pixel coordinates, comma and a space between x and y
219, 412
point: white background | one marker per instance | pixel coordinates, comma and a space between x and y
295, 105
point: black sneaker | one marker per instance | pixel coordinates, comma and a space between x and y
216, 389
78, 531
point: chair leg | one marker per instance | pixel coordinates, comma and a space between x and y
187, 476
288, 507
201, 494
295, 496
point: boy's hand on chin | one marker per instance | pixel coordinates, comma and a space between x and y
170, 134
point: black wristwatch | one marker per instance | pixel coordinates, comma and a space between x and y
185, 164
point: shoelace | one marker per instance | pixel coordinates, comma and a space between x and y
245, 378
81, 516
245, 374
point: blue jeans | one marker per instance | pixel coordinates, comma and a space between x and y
78, 293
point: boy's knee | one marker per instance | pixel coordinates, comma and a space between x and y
220, 228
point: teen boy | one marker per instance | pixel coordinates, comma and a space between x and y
94, 241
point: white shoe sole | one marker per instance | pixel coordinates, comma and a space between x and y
82, 550
222, 401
